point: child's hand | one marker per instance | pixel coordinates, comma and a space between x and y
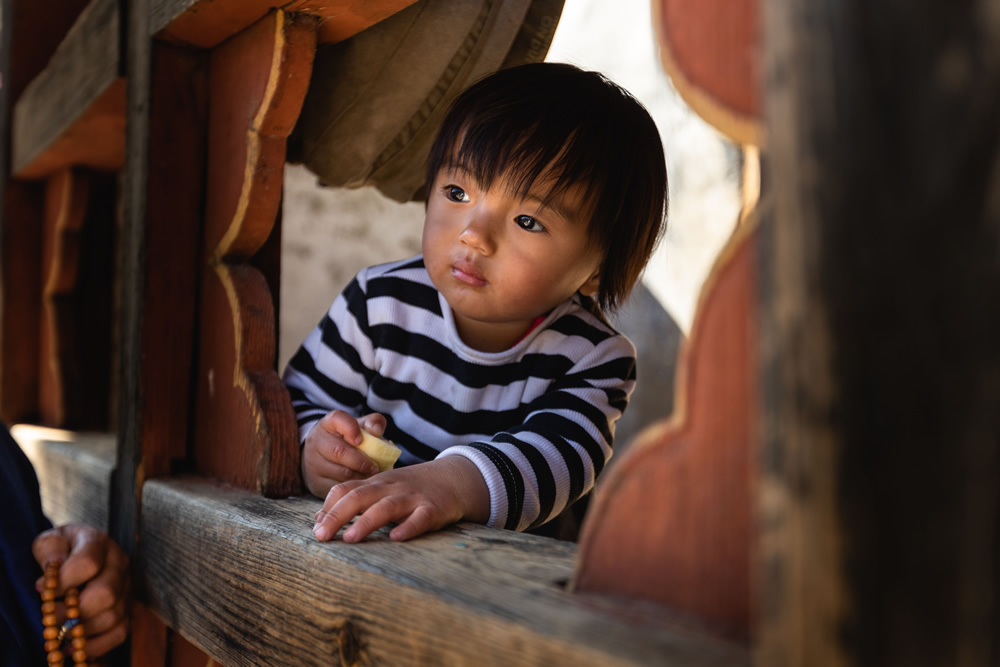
422, 497
330, 454
93, 563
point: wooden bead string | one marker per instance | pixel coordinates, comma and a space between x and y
54, 635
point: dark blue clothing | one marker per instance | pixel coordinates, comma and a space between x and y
21, 520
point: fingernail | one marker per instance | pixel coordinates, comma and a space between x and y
350, 534
319, 531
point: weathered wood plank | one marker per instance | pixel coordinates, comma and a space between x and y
207, 23
74, 472
222, 565
73, 111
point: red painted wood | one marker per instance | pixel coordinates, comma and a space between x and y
710, 50
175, 191
245, 432
148, 642
210, 22
66, 199
671, 521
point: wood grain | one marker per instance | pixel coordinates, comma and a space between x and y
465, 595
74, 472
73, 112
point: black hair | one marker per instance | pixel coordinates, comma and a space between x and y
517, 123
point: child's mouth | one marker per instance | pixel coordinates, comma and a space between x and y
467, 273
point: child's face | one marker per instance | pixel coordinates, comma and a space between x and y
501, 261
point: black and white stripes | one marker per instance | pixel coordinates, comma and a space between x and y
537, 419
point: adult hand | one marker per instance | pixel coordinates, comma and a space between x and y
421, 497
330, 454
94, 564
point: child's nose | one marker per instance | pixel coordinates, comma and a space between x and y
478, 233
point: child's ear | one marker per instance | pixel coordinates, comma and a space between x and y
593, 284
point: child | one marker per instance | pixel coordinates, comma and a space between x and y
487, 359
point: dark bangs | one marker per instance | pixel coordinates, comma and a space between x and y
570, 127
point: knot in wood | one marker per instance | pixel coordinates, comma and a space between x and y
349, 644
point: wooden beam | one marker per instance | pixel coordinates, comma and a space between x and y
207, 23
72, 113
74, 472
222, 566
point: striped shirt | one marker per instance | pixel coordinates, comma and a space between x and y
537, 419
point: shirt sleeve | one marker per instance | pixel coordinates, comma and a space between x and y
535, 470
333, 367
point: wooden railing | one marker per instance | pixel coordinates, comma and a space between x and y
244, 579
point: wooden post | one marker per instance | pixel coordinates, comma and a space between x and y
880, 513
163, 194
245, 431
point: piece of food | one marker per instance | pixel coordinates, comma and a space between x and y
382, 452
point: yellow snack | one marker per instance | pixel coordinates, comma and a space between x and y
382, 452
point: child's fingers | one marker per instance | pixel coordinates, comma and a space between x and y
421, 520
386, 510
374, 423
346, 501
351, 461
339, 423
331, 519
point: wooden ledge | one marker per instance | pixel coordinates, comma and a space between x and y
242, 577
74, 472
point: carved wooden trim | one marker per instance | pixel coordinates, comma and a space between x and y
709, 50
65, 212
672, 521
207, 23
245, 430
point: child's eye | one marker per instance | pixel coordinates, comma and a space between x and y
527, 223
455, 193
